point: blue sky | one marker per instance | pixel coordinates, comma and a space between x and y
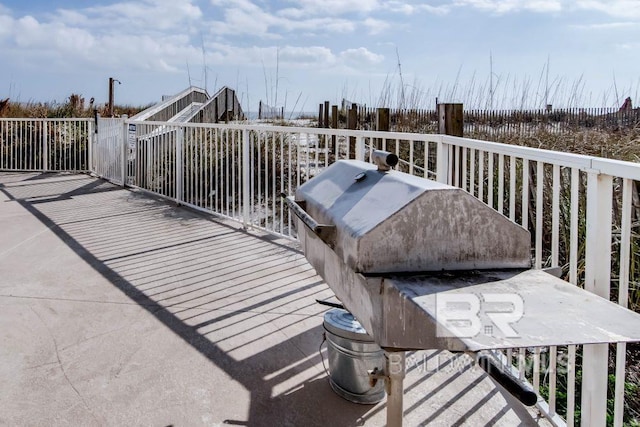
299, 53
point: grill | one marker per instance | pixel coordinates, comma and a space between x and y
423, 265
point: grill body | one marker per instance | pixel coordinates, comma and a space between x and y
397, 250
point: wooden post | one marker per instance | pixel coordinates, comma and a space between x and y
382, 125
111, 95
320, 115
451, 122
382, 120
326, 114
334, 117
450, 119
334, 125
260, 110
352, 123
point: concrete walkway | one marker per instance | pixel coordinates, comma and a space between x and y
120, 309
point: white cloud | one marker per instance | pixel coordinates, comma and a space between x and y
409, 9
148, 14
314, 57
506, 6
307, 56
336, 7
629, 9
138, 35
29, 33
244, 17
606, 26
360, 57
376, 26
135, 34
6, 26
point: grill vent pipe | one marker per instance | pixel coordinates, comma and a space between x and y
383, 159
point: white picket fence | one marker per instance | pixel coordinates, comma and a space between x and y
579, 209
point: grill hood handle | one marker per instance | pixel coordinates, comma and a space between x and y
325, 232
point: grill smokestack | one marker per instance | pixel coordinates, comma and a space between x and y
384, 160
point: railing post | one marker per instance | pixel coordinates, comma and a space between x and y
45, 146
123, 166
597, 280
90, 140
442, 162
246, 177
360, 148
179, 164
97, 166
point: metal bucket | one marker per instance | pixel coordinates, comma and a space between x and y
352, 354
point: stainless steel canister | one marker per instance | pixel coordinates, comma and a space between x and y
352, 354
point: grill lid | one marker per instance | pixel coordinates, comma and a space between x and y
391, 222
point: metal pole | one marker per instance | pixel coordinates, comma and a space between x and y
125, 149
110, 107
112, 82
179, 164
246, 177
45, 146
395, 370
90, 140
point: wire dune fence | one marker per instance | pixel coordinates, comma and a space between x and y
497, 124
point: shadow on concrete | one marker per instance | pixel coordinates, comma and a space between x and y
314, 402
223, 291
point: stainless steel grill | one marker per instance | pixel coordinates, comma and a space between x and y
423, 265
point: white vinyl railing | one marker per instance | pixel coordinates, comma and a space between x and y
565, 200
45, 144
580, 211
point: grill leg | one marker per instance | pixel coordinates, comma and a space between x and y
395, 370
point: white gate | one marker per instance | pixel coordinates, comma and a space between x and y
108, 152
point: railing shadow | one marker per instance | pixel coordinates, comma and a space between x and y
244, 302
228, 319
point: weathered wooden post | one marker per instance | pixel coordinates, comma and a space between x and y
320, 115
451, 122
110, 105
352, 123
450, 119
326, 114
334, 125
382, 125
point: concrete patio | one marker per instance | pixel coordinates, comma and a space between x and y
117, 308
